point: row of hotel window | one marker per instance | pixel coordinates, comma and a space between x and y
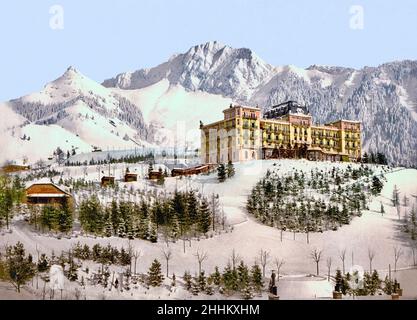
328, 143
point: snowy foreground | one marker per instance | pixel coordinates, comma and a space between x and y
372, 230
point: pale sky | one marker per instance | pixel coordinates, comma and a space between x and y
103, 38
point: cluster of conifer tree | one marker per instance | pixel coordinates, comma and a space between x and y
318, 201
374, 157
371, 284
104, 255
233, 280
12, 192
132, 158
178, 215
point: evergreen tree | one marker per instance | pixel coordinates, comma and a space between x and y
256, 277
108, 227
155, 276
43, 263
19, 266
48, 217
221, 173
202, 281
195, 286
216, 276
91, 215
121, 230
204, 220
365, 158
187, 280
153, 235
150, 169
377, 185
192, 207
175, 226
229, 278
230, 169
64, 217
242, 276
339, 281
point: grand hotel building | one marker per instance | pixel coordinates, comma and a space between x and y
285, 131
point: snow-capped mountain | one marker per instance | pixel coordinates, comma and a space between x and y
211, 67
163, 105
72, 112
384, 98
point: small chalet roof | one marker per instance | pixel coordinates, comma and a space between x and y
46, 181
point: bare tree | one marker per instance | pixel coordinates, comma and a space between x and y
371, 256
329, 266
136, 255
201, 256
264, 257
279, 263
234, 257
342, 255
316, 256
168, 255
398, 252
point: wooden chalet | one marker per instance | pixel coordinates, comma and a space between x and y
155, 174
193, 170
11, 168
43, 193
130, 177
106, 181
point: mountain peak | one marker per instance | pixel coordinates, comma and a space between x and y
72, 69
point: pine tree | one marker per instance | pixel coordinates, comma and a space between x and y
108, 227
377, 185
153, 235
155, 276
230, 169
229, 278
221, 173
339, 281
19, 266
256, 277
64, 217
175, 227
204, 220
91, 215
242, 276
43, 263
121, 230
187, 280
195, 287
192, 207
150, 169
216, 276
202, 281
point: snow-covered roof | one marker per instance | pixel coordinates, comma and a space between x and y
46, 195
47, 181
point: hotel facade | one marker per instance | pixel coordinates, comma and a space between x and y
285, 131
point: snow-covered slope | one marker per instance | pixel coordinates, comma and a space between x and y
72, 112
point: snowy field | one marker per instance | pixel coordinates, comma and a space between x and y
372, 230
